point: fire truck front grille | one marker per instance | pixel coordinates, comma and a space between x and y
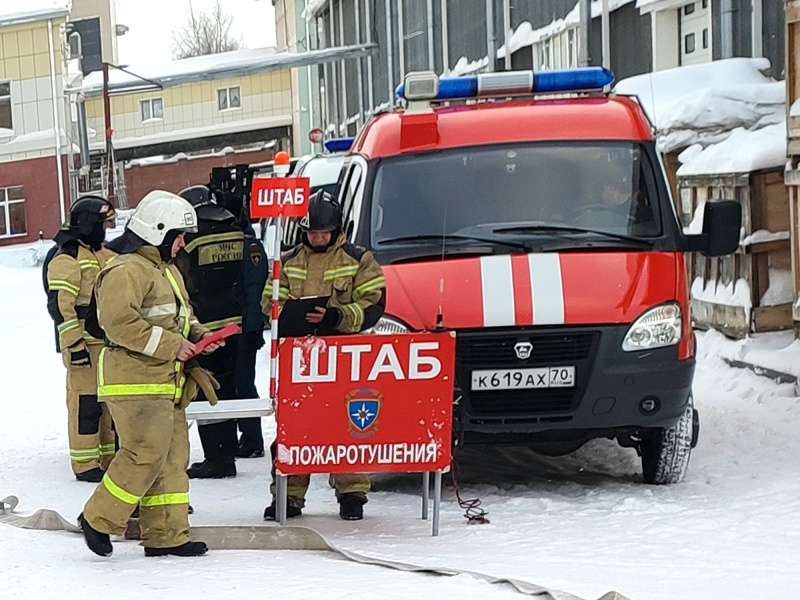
478, 350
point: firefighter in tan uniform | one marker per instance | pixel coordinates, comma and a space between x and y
325, 264
70, 279
144, 310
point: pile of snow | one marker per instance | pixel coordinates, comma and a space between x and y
736, 293
464, 66
781, 288
775, 351
703, 103
764, 235
742, 151
20, 256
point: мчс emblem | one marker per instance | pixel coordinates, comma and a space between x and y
523, 350
363, 406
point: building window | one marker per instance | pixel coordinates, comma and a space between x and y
705, 3
229, 98
705, 38
688, 44
688, 9
5, 105
12, 211
152, 109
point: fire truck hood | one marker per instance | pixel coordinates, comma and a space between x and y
530, 289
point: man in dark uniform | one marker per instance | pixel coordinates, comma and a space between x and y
211, 264
248, 289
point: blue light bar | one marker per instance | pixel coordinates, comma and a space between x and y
510, 83
339, 144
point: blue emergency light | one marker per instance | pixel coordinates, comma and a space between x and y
509, 83
339, 144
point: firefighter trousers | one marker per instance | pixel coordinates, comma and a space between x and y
357, 484
148, 469
91, 436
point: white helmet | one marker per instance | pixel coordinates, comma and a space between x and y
160, 212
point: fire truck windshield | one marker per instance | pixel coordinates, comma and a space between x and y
528, 191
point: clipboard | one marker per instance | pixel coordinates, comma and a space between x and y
292, 320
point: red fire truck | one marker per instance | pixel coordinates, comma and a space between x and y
529, 212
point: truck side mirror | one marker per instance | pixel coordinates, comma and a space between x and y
722, 221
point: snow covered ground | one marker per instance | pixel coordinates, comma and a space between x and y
584, 524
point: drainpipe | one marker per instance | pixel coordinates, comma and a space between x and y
491, 42
585, 11
726, 28
56, 124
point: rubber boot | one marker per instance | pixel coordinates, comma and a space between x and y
292, 510
98, 542
187, 549
92, 475
220, 445
351, 507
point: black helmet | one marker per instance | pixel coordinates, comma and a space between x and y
205, 204
324, 213
87, 212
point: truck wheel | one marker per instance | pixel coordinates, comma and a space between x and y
665, 454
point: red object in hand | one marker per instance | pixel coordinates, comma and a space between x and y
217, 336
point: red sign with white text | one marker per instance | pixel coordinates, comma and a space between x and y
279, 196
365, 403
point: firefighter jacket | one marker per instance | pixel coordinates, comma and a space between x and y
143, 307
211, 263
349, 274
71, 275
251, 282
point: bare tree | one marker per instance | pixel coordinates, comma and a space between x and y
203, 34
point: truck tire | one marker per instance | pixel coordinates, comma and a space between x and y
665, 454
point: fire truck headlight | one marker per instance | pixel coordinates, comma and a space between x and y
388, 325
658, 327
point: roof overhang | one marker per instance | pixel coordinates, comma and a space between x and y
658, 5
221, 66
34, 14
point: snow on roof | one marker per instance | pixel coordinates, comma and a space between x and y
702, 103
32, 10
218, 66
526, 35
742, 152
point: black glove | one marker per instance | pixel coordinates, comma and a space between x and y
80, 358
331, 318
254, 340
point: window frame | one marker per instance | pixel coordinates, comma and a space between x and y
4, 98
151, 104
5, 206
228, 95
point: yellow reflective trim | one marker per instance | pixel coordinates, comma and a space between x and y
89, 264
118, 492
137, 389
108, 449
373, 284
216, 237
177, 290
348, 271
165, 499
296, 273
358, 315
67, 325
214, 325
66, 286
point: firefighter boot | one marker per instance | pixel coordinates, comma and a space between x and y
98, 542
292, 510
92, 475
220, 445
351, 507
187, 549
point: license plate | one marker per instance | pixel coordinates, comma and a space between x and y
512, 379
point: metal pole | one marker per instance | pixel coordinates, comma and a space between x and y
359, 64
389, 54
606, 34
426, 494
437, 501
343, 83
280, 497
506, 31
368, 26
726, 28
56, 123
586, 22
401, 40
431, 53
757, 31
280, 480
445, 44
491, 42
110, 196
